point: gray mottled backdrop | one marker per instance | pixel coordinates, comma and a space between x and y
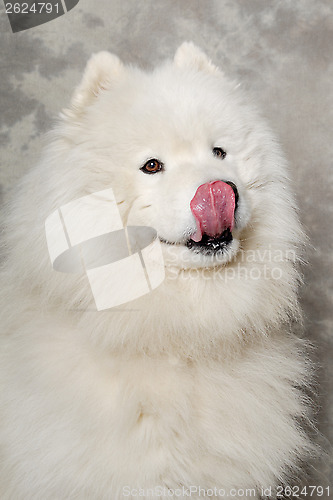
280, 49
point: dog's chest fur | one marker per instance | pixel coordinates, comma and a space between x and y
147, 422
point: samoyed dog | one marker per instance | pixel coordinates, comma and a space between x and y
196, 388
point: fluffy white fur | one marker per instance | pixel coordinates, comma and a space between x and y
199, 382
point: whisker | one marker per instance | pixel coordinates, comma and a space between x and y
129, 209
257, 184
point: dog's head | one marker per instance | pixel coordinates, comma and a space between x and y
184, 153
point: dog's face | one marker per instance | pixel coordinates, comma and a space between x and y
182, 151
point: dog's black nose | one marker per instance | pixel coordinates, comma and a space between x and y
235, 190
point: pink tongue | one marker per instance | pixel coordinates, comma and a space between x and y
213, 207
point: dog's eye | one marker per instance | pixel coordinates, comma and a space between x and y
152, 166
219, 153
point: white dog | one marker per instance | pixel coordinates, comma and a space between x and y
195, 388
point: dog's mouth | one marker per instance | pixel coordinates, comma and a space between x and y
213, 208
209, 245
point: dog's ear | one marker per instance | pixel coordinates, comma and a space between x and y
102, 69
189, 55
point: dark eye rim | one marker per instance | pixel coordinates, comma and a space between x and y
219, 152
145, 170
